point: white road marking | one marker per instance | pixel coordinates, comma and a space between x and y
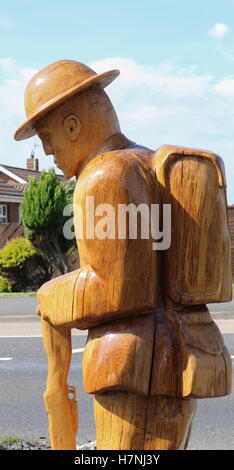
74, 351
221, 312
22, 336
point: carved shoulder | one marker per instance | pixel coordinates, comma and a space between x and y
119, 265
112, 177
168, 155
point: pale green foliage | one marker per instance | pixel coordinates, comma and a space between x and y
4, 285
15, 253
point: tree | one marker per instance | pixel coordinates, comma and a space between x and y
42, 216
69, 191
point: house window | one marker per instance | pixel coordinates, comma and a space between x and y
3, 214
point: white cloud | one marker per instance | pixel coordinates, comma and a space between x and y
5, 22
225, 53
174, 105
167, 79
7, 65
12, 86
225, 87
167, 104
27, 74
13, 80
219, 30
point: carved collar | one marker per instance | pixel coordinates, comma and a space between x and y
115, 142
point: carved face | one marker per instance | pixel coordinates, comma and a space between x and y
72, 139
58, 136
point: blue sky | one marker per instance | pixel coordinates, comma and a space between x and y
176, 62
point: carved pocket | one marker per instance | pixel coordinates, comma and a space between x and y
206, 337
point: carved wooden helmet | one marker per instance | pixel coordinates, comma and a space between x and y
53, 85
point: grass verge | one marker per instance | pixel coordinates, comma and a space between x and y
7, 441
15, 294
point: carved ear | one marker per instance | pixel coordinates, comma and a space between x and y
72, 126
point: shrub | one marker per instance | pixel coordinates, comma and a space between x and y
22, 266
15, 253
4, 285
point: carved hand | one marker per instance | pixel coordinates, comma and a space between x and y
55, 299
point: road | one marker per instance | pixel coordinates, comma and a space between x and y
23, 368
18, 305
26, 305
23, 382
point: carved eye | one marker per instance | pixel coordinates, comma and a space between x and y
45, 138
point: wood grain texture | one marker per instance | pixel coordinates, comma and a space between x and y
194, 183
98, 293
148, 344
62, 411
152, 347
190, 357
201, 243
185, 340
116, 178
122, 354
127, 421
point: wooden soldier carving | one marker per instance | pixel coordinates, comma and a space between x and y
152, 348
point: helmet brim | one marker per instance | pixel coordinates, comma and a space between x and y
27, 129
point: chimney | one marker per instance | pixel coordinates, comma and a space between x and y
32, 163
36, 165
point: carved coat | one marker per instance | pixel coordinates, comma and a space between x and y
150, 331
166, 343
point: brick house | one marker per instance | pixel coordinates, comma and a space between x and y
13, 182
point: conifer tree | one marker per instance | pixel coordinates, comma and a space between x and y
42, 216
